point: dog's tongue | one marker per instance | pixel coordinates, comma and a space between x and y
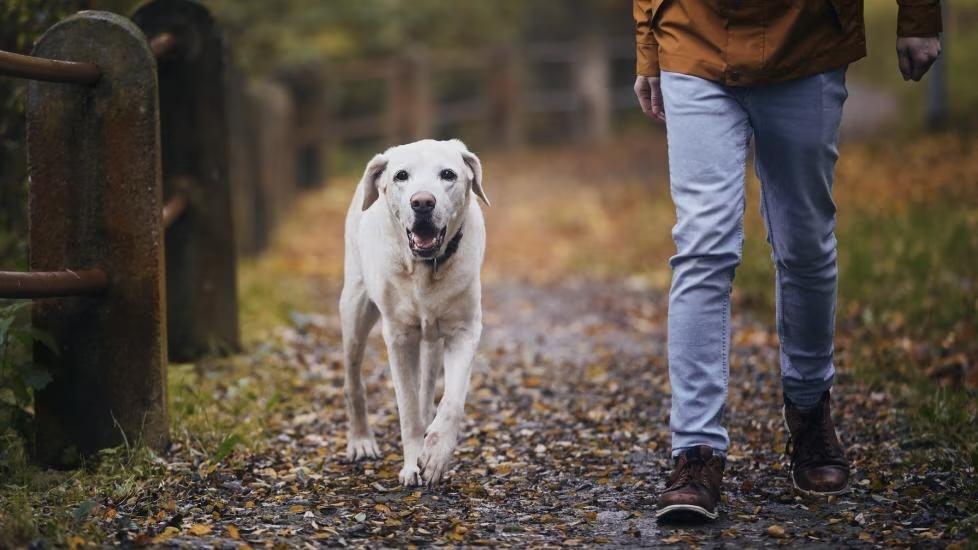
422, 242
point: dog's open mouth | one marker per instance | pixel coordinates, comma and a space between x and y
425, 240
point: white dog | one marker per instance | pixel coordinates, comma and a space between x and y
414, 246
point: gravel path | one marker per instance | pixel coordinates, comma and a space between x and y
565, 443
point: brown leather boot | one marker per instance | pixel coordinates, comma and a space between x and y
693, 489
818, 461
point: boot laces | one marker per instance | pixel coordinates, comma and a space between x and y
692, 470
813, 442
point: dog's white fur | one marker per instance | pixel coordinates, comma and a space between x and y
431, 315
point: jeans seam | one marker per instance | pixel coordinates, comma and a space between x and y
725, 353
778, 306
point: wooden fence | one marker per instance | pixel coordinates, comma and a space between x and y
507, 89
132, 257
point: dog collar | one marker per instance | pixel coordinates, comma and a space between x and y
450, 251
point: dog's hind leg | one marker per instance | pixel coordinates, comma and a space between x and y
357, 316
432, 359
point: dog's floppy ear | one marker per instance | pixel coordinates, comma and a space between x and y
475, 165
371, 192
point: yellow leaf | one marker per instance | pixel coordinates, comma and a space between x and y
166, 535
200, 529
233, 532
296, 508
75, 541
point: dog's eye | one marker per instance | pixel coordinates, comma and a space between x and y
401, 175
448, 175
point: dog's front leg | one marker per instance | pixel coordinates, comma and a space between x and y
442, 434
403, 348
432, 362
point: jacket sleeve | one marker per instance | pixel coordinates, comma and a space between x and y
919, 18
646, 47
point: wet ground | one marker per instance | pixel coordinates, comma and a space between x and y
565, 443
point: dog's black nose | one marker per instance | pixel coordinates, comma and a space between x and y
422, 202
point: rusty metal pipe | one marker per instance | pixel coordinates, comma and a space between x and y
173, 209
49, 70
162, 44
50, 284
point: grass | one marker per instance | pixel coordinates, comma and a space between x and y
216, 406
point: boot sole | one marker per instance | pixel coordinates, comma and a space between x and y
811, 493
685, 512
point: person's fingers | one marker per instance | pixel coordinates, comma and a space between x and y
906, 67
646, 102
658, 110
658, 107
644, 94
921, 63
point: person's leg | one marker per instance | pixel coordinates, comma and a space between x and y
796, 128
708, 133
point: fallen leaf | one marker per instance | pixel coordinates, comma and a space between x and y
200, 529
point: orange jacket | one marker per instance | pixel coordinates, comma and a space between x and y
745, 42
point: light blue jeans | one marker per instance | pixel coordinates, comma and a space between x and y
795, 127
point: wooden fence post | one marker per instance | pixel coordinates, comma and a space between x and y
307, 86
200, 255
505, 101
409, 101
243, 168
95, 202
937, 97
592, 80
272, 113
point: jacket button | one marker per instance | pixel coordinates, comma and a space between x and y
734, 76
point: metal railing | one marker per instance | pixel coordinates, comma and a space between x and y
48, 70
46, 284
52, 284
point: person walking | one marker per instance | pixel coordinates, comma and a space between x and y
719, 73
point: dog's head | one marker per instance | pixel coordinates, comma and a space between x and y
428, 186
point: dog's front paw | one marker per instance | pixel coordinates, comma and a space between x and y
358, 448
436, 455
410, 475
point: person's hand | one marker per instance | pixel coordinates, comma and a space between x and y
916, 54
649, 94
